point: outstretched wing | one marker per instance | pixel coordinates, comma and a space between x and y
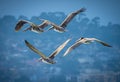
103, 43
75, 45
20, 24
71, 16
34, 49
44, 24
59, 49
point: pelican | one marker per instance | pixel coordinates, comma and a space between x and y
83, 40
48, 60
61, 28
33, 27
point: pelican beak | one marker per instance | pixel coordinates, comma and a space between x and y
41, 19
65, 30
39, 60
25, 30
53, 62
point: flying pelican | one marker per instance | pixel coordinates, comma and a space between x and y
48, 60
83, 40
61, 28
33, 27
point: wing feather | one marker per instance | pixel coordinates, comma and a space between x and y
44, 24
20, 24
34, 49
103, 43
75, 45
70, 17
59, 49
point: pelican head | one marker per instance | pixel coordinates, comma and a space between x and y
42, 20
48, 61
40, 60
81, 38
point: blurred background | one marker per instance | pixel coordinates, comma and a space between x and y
87, 63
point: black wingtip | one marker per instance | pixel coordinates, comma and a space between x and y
109, 46
106, 45
83, 9
26, 41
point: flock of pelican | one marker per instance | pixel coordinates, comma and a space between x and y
58, 28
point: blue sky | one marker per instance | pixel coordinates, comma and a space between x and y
107, 10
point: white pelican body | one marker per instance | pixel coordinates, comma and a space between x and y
33, 27
61, 28
48, 60
84, 41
